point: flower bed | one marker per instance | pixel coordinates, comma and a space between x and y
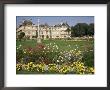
48, 58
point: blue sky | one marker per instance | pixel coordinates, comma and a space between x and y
52, 20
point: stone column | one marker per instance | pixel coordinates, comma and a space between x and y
38, 39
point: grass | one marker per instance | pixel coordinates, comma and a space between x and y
62, 44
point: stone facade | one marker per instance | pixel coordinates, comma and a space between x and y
46, 31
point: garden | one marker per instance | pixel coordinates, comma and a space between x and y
56, 56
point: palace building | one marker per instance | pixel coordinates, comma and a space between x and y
61, 30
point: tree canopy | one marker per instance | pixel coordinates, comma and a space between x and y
82, 29
22, 34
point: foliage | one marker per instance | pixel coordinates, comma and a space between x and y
20, 37
82, 29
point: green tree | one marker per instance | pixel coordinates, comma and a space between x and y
22, 34
80, 29
91, 29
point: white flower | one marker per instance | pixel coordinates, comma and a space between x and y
24, 52
20, 45
61, 60
69, 54
57, 60
69, 58
62, 57
61, 52
69, 45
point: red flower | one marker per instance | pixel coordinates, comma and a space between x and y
40, 46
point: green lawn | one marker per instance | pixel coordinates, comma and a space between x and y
62, 44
